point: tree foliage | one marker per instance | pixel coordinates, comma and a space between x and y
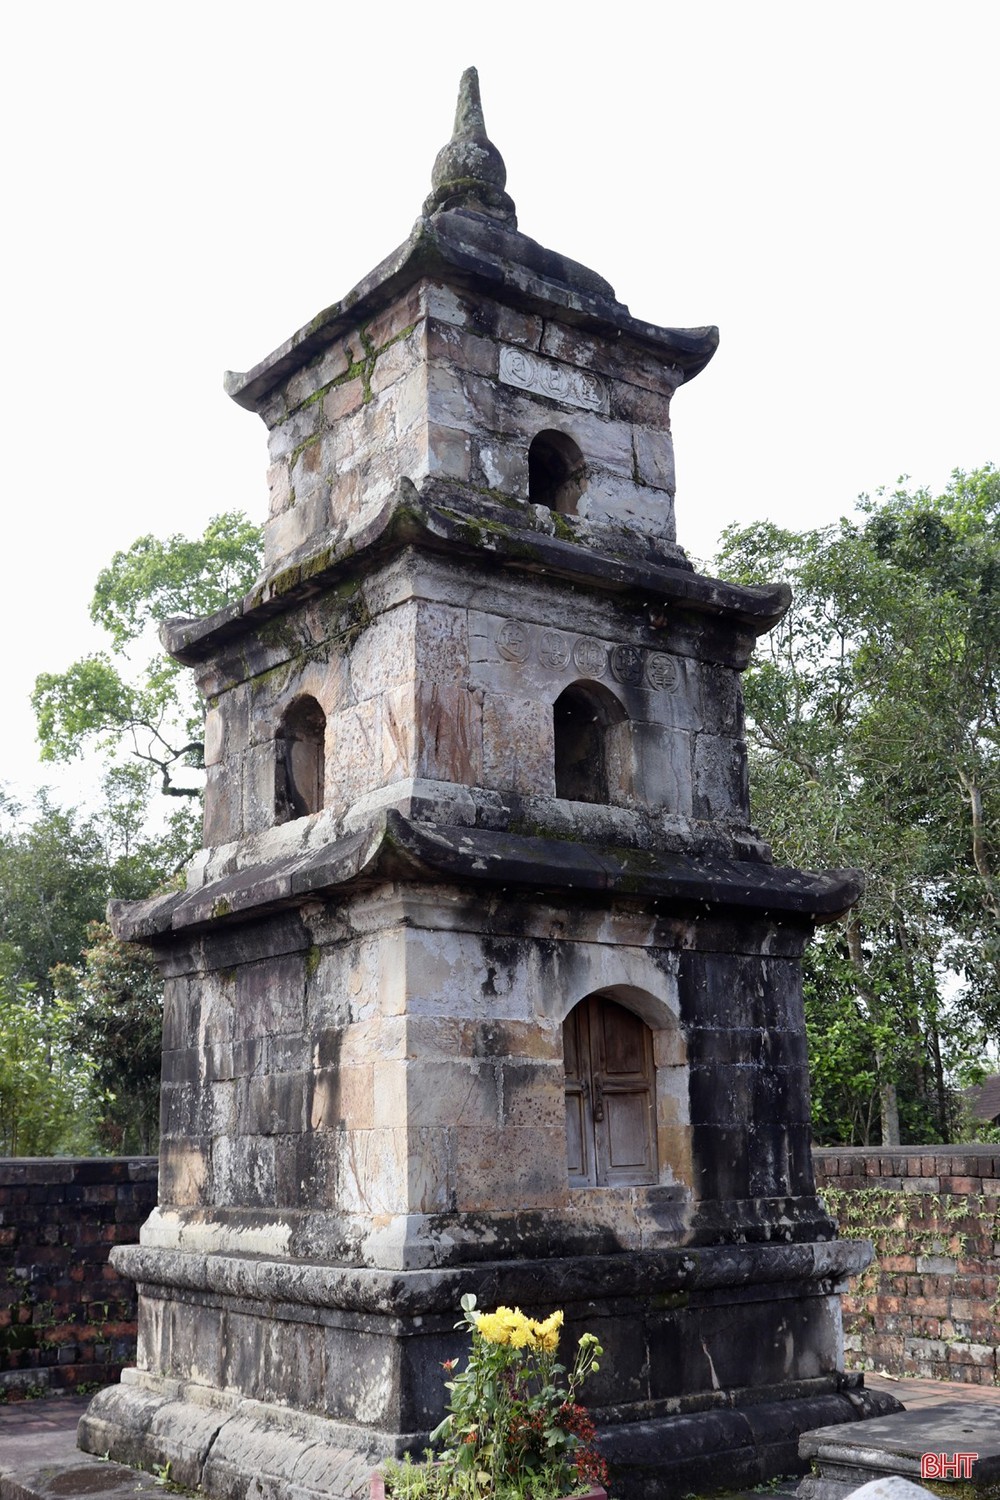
80, 1015
132, 699
874, 729
115, 1003
46, 1084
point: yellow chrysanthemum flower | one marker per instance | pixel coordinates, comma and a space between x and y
547, 1332
492, 1328
508, 1325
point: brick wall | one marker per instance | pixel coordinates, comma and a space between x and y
930, 1303
66, 1319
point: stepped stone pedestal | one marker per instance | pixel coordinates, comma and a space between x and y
482, 981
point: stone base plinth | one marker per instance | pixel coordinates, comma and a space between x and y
234, 1448
305, 1376
843, 1460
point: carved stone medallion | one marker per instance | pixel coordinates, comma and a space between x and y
513, 640
553, 649
661, 672
626, 665
590, 656
550, 377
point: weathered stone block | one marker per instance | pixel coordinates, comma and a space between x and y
292, 432
448, 454
459, 348
343, 400
396, 359
223, 816
612, 500
449, 734
721, 791
273, 1104
243, 1171
494, 1168
654, 458
345, 1096
502, 466
518, 749
185, 1170
650, 767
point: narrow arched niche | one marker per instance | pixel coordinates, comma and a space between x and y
300, 760
582, 715
556, 473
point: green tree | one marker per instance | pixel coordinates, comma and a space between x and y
873, 729
115, 1016
80, 1015
46, 1083
59, 869
131, 700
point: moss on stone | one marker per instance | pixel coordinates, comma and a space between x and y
300, 448
562, 527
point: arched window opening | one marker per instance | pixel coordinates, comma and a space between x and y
582, 717
301, 752
610, 1095
556, 474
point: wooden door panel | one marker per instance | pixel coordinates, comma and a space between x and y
610, 1088
628, 1132
571, 1045
623, 1038
579, 1156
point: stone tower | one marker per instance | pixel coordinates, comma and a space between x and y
482, 981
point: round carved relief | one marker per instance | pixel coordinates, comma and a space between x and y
590, 656
513, 640
556, 379
553, 649
626, 665
661, 672
517, 366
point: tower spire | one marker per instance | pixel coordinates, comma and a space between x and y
469, 171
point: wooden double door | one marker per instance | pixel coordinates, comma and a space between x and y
610, 1095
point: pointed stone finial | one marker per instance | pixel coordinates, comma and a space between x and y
469, 171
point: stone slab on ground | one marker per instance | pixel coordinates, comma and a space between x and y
39, 1459
844, 1459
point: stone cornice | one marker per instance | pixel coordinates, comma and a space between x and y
394, 847
454, 522
467, 249
397, 1294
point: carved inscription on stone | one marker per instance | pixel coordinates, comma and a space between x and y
590, 656
549, 377
554, 649
661, 672
513, 641
626, 665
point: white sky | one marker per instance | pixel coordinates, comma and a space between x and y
188, 184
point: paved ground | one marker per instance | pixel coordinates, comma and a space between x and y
919, 1395
39, 1459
